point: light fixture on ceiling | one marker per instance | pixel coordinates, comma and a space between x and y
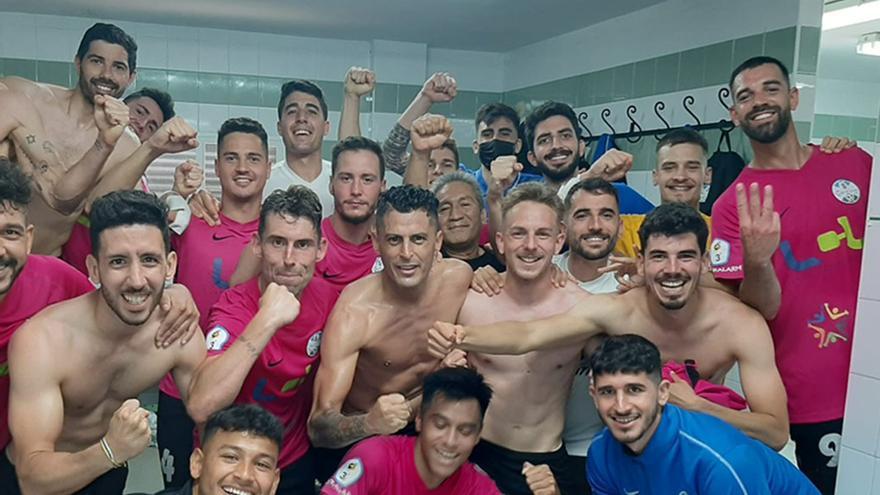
869, 44
864, 11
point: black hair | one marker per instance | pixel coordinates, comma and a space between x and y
407, 199
490, 112
111, 34
536, 192
456, 384
302, 86
163, 99
674, 219
245, 125
357, 143
451, 145
595, 186
682, 136
544, 112
296, 202
124, 208
757, 62
245, 418
15, 186
629, 354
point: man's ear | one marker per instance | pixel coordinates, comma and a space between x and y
196, 463
663, 392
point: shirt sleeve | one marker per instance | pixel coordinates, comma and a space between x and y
225, 323
596, 474
738, 472
725, 251
360, 473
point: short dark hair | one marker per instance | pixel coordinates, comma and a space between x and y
245, 418
163, 99
451, 145
629, 354
245, 125
756, 62
490, 112
683, 136
535, 192
407, 199
303, 86
357, 143
544, 112
110, 33
464, 178
127, 207
296, 202
595, 186
674, 219
456, 384
15, 186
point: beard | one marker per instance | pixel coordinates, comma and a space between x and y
767, 133
115, 303
559, 174
576, 248
13, 264
88, 91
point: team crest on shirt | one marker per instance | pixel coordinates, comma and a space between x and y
348, 474
216, 338
314, 345
719, 252
846, 191
378, 266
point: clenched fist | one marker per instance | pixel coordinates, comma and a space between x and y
279, 304
111, 117
440, 87
359, 81
429, 132
129, 431
443, 337
175, 136
505, 170
540, 479
389, 414
187, 178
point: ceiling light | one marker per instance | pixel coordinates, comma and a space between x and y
857, 14
869, 44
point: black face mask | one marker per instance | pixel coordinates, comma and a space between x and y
490, 150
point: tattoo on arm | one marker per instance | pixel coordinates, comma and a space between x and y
333, 429
47, 147
252, 349
30, 139
99, 146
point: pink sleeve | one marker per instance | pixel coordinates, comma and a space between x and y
725, 252
225, 323
360, 473
75, 283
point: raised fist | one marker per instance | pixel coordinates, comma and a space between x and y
389, 414
540, 479
279, 304
111, 117
429, 132
504, 171
205, 206
129, 432
175, 136
611, 166
187, 178
443, 337
359, 81
440, 87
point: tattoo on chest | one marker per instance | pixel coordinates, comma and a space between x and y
30, 139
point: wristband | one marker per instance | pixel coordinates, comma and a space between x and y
109, 453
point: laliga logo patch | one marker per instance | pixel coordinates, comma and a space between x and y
378, 266
348, 474
314, 345
217, 337
719, 252
847, 192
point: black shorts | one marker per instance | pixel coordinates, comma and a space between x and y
110, 483
298, 477
817, 450
174, 436
505, 466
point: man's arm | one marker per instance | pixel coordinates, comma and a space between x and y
218, 380
429, 132
358, 82
361, 470
760, 229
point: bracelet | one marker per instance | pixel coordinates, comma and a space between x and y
109, 453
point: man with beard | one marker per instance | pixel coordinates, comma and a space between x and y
374, 354
73, 141
672, 310
653, 446
461, 220
808, 287
76, 366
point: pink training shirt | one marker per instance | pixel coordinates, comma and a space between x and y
206, 258
345, 262
387, 466
281, 379
822, 207
43, 281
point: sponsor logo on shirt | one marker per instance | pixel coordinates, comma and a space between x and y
349, 473
829, 325
217, 337
846, 191
719, 252
4, 369
314, 345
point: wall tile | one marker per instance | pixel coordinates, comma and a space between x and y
643, 78
622, 85
855, 472
875, 490
152, 52
463, 105
21, 68
244, 90
211, 117
808, 51
862, 424
213, 51
822, 125
867, 339
57, 45
333, 95
19, 38
54, 72
870, 283
2, 67
780, 44
748, 47
244, 54
603, 82
213, 88
719, 63
183, 54
184, 86
585, 90
666, 80
841, 125
154, 78
270, 91
692, 69
385, 98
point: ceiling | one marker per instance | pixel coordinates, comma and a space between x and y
483, 25
838, 58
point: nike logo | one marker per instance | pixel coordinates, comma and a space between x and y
631, 493
331, 275
221, 238
276, 363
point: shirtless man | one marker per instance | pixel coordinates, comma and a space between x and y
74, 141
76, 366
683, 319
525, 420
373, 356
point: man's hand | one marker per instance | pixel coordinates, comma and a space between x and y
205, 206
540, 479
611, 166
443, 337
505, 170
279, 304
187, 178
180, 316
429, 132
389, 414
359, 81
682, 394
759, 224
455, 359
487, 281
559, 278
440, 87
175, 136
129, 432
626, 272
832, 144
111, 117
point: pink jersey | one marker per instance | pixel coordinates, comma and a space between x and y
43, 281
387, 466
822, 208
281, 379
206, 258
345, 262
